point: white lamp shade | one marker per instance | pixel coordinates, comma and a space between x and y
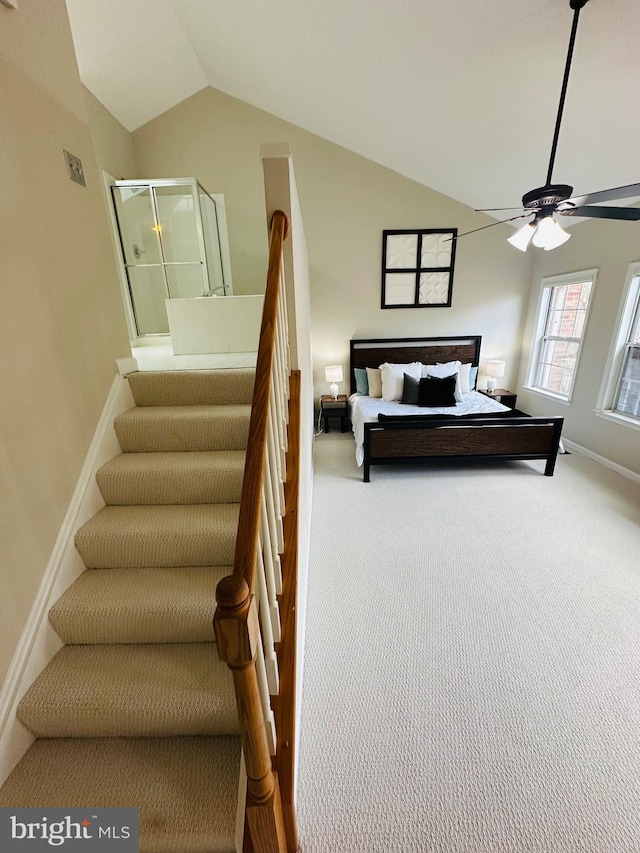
494, 368
333, 373
549, 235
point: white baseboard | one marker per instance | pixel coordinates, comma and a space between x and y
39, 642
619, 469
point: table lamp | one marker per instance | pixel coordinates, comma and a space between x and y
493, 369
333, 374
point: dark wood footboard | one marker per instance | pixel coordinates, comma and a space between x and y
408, 440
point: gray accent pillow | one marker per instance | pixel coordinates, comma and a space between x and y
410, 391
362, 381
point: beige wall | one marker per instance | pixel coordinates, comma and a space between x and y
608, 247
61, 318
346, 203
112, 142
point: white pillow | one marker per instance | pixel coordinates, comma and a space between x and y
393, 379
374, 377
442, 371
463, 374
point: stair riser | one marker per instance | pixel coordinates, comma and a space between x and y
123, 537
192, 388
132, 691
148, 550
169, 488
210, 434
94, 722
174, 605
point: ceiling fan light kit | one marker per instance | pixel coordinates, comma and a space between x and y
543, 202
544, 232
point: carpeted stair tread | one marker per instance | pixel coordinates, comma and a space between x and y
208, 476
192, 387
168, 605
154, 690
120, 537
156, 429
186, 788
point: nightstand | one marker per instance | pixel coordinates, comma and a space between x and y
330, 407
507, 398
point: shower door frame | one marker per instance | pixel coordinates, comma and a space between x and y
223, 244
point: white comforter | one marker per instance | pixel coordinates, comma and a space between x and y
367, 409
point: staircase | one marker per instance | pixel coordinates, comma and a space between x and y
136, 709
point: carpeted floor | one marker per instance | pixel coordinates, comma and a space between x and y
472, 664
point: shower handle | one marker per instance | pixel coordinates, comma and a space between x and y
137, 251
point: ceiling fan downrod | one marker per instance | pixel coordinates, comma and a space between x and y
576, 5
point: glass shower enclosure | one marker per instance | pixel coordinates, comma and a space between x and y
174, 245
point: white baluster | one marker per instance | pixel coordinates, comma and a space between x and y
272, 469
275, 521
271, 660
280, 432
273, 573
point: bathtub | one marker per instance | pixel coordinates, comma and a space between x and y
215, 324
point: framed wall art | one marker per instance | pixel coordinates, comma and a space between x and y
417, 267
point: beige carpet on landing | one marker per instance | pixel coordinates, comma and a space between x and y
472, 665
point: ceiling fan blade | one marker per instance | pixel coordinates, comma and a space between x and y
501, 222
495, 209
629, 213
629, 191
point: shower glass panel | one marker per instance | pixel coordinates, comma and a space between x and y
212, 243
137, 220
148, 292
170, 237
181, 239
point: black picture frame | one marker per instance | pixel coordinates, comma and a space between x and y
417, 267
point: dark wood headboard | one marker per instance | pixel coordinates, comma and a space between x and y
372, 352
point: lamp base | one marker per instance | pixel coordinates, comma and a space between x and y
333, 388
491, 385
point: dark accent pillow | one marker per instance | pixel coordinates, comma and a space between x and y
410, 390
437, 392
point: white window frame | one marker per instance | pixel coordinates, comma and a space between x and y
546, 287
629, 306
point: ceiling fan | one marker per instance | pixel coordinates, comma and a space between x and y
543, 202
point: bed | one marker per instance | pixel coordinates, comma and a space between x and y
477, 427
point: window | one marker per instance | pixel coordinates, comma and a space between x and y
562, 318
621, 394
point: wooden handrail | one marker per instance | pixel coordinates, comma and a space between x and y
249, 520
236, 621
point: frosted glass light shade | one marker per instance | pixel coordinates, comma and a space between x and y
549, 235
545, 233
522, 237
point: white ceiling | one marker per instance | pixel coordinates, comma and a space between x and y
459, 95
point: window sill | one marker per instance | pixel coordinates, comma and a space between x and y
617, 418
548, 395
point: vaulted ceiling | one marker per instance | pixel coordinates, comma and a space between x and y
459, 95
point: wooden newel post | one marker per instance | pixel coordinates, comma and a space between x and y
237, 635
